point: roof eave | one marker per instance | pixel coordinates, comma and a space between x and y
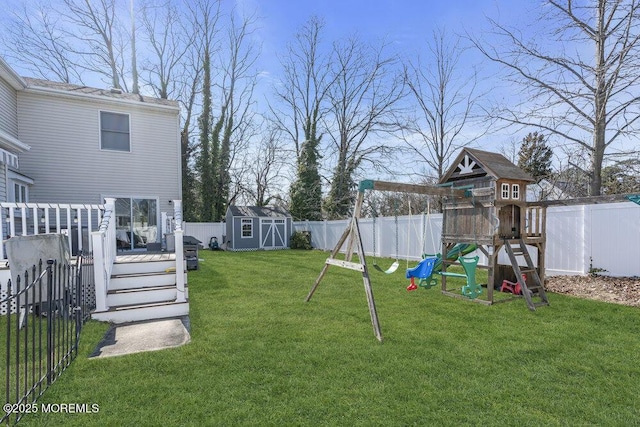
12, 144
41, 90
7, 73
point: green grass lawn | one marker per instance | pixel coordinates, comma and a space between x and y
260, 355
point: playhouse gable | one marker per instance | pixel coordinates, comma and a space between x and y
477, 164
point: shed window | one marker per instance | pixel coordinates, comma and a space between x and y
505, 191
114, 131
515, 191
247, 228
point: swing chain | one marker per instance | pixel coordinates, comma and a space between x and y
397, 236
374, 238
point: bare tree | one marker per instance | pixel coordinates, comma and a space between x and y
235, 89
444, 90
188, 85
170, 35
98, 38
206, 18
589, 102
304, 86
364, 105
36, 39
135, 88
302, 94
265, 166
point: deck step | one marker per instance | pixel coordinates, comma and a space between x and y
138, 312
121, 268
133, 296
147, 280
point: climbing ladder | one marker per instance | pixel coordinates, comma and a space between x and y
533, 289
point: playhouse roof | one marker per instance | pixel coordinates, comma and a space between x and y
477, 163
258, 211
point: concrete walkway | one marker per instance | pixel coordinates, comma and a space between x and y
143, 336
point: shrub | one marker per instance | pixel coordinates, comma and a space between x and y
301, 240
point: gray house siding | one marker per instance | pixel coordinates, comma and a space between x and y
8, 125
68, 164
8, 109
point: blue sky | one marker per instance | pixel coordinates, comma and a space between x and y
406, 24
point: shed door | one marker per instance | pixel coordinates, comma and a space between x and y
272, 233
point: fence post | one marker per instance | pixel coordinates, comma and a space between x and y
326, 247
179, 252
49, 321
99, 272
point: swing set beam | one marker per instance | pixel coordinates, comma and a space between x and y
369, 184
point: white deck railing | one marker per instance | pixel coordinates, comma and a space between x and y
23, 219
104, 253
179, 246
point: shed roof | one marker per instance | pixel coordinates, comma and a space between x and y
473, 162
258, 211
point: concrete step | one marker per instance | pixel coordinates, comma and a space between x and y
147, 280
135, 313
147, 295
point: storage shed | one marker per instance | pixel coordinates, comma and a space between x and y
251, 228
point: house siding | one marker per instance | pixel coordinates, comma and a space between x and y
8, 109
8, 124
66, 161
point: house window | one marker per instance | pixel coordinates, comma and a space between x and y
247, 228
505, 191
114, 131
20, 193
515, 191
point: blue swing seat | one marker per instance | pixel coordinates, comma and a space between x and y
423, 270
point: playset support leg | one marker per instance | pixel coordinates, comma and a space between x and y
353, 233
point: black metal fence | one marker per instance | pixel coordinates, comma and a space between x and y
44, 313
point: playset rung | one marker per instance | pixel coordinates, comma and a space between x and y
535, 287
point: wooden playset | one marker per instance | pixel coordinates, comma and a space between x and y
496, 216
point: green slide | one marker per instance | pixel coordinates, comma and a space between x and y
460, 249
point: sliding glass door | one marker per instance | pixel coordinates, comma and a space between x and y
136, 222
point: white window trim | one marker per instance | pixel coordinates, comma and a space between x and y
13, 179
515, 191
100, 132
244, 221
505, 190
22, 189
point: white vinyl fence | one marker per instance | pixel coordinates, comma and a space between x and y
579, 238
204, 231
